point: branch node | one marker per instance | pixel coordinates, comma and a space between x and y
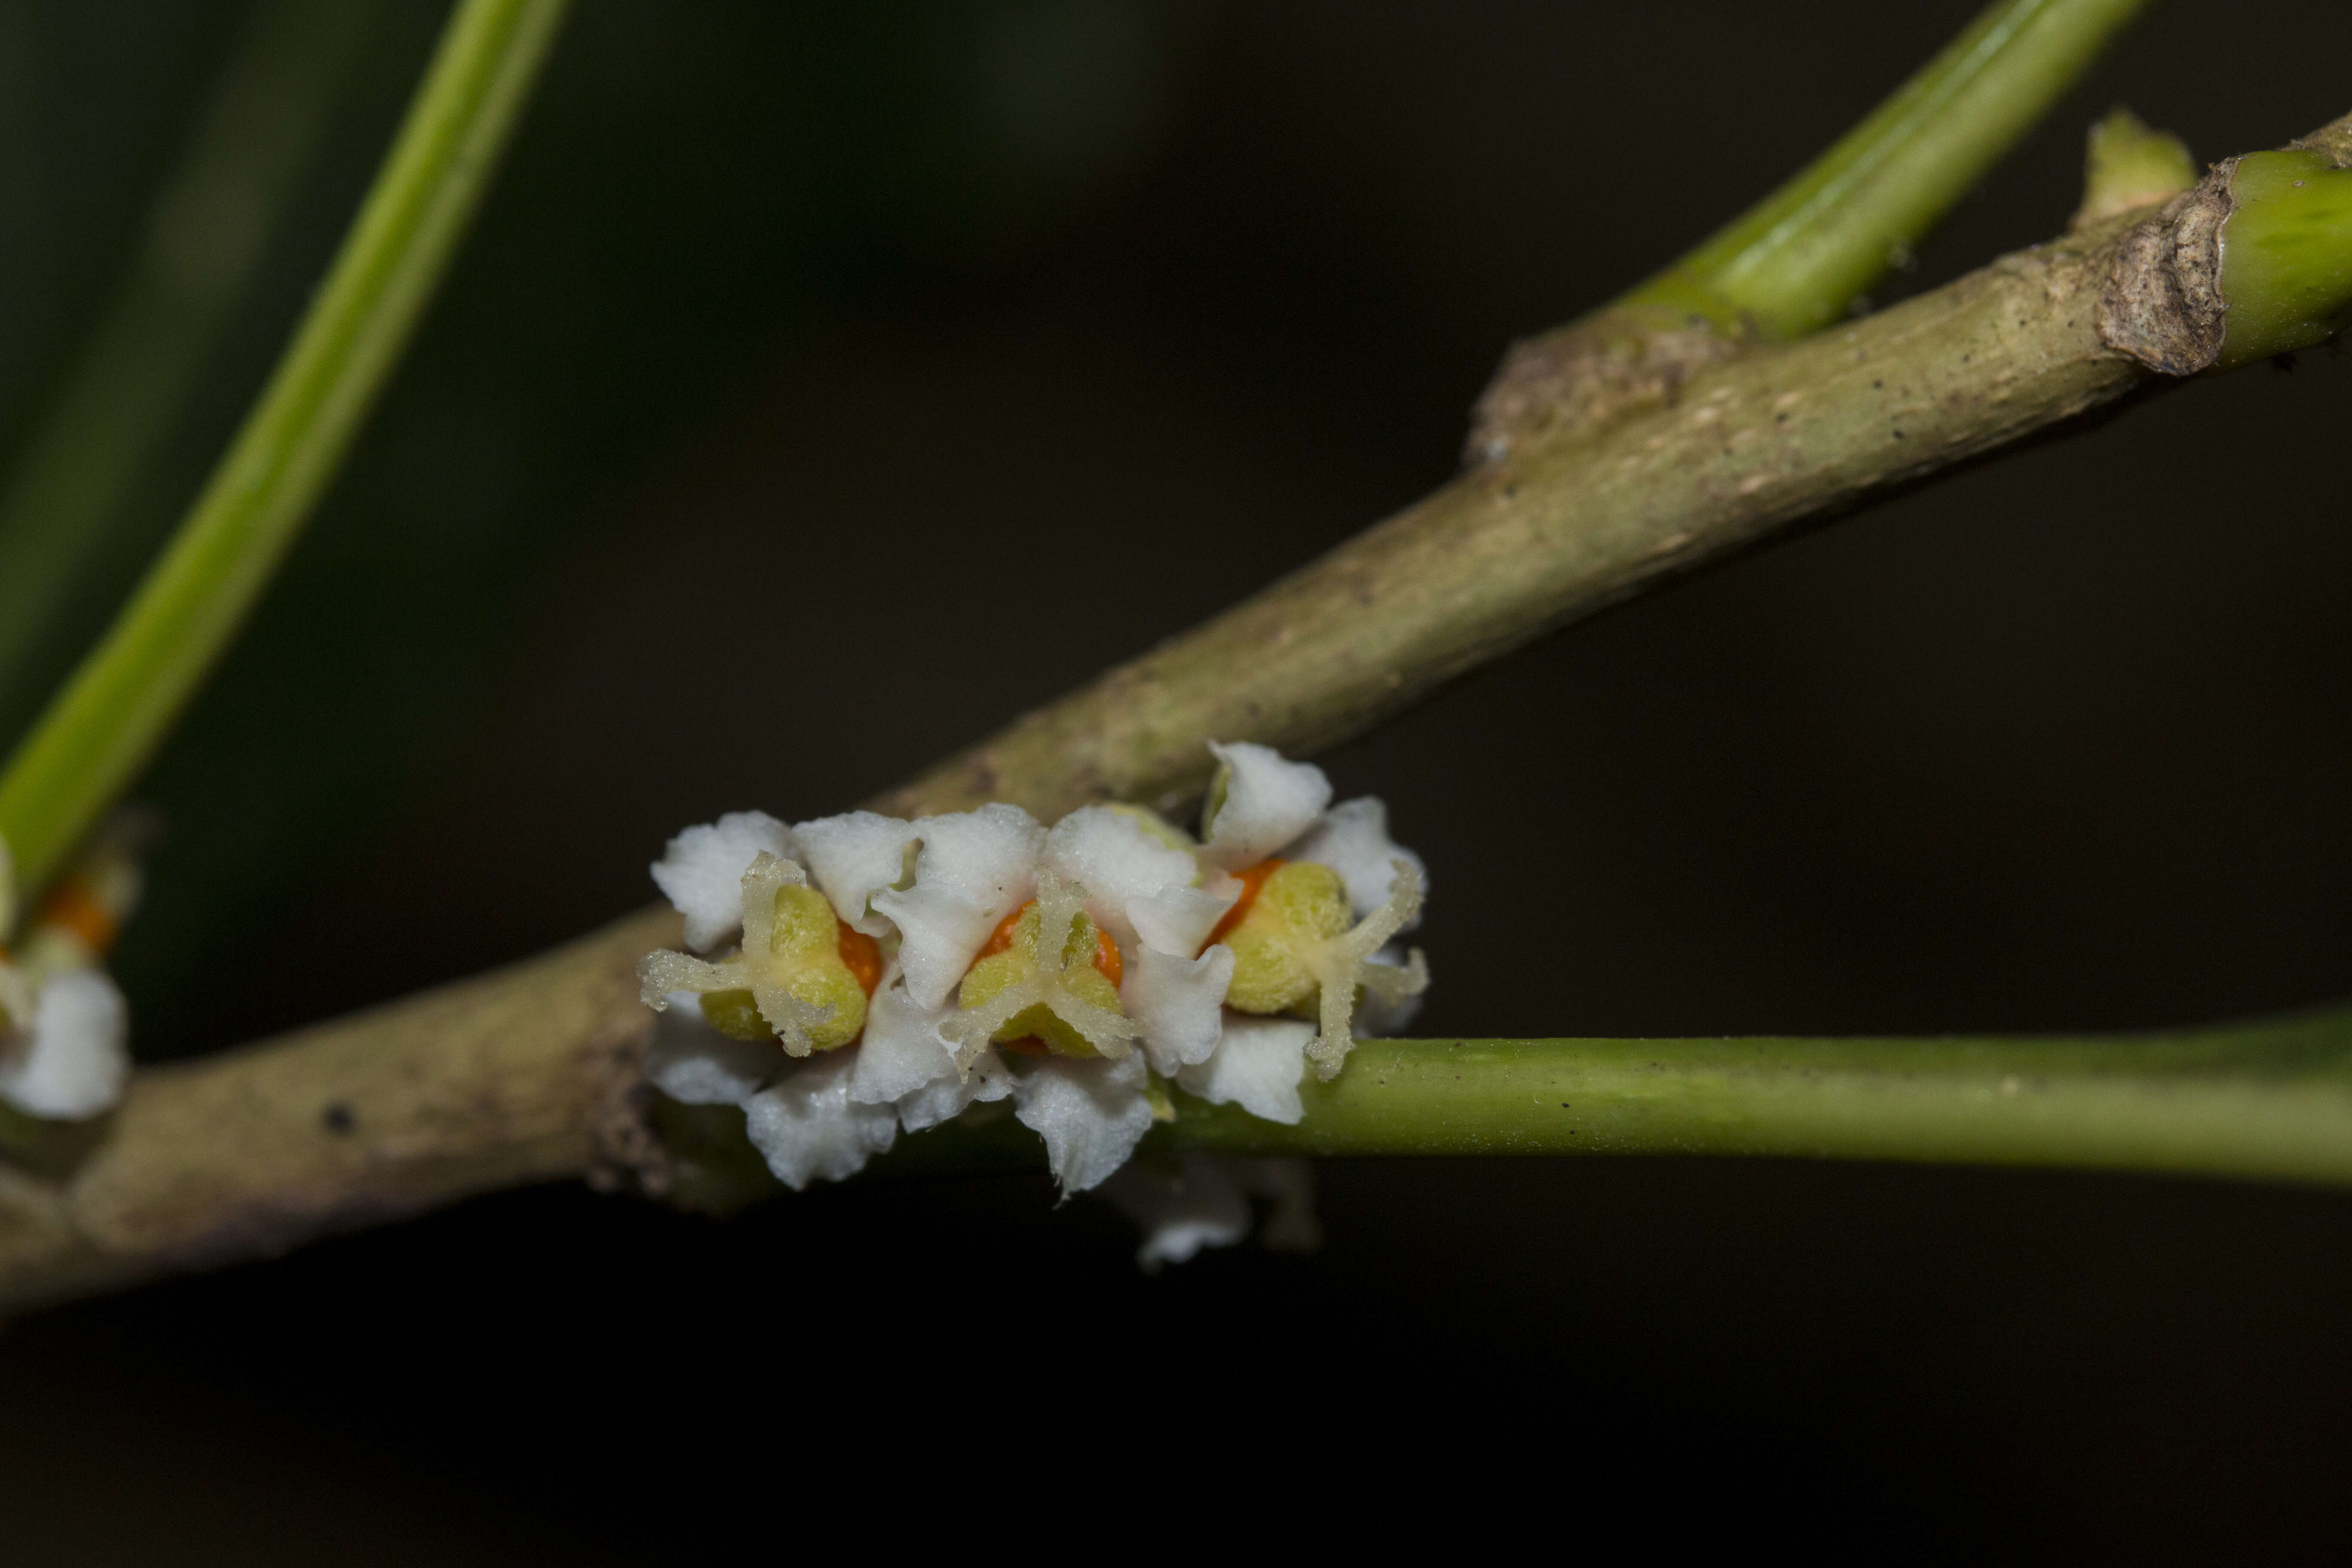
1589, 374
2162, 304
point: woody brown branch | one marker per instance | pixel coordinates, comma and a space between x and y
1595, 495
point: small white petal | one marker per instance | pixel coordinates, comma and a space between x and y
694, 1064
901, 1049
1179, 1001
852, 857
943, 1098
1257, 1067
1118, 861
1179, 920
74, 1063
1267, 802
701, 872
1091, 1114
974, 868
808, 1129
1353, 840
1180, 1211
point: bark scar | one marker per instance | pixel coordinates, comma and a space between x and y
2162, 303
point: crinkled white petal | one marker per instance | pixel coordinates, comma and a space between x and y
1118, 861
945, 1098
1353, 840
852, 857
701, 872
1179, 920
1380, 1018
694, 1064
1181, 1210
974, 868
901, 1049
1091, 1114
1179, 1001
1268, 800
1256, 1066
808, 1128
74, 1062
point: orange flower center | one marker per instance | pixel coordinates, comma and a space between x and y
862, 955
1107, 963
1253, 878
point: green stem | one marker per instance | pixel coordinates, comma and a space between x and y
108, 721
2286, 255
1798, 261
2270, 1100
209, 228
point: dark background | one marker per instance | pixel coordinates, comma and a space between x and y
825, 383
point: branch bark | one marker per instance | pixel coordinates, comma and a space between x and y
527, 1074
1571, 519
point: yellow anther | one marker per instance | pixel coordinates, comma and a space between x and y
1298, 949
1069, 1003
789, 980
1081, 976
1298, 910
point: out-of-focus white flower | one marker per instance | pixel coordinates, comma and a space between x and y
64, 1026
69, 1059
1203, 1201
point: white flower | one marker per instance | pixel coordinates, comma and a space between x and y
1091, 1114
904, 1060
1258, 802
69, 1060
701, 872
694, 1064
808, 1129
1106, 955
1324, 892
1256, 1066
974, 868
852, 858
790, 965
1141, 880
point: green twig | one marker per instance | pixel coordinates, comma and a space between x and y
2286, 255
2270, 1100
1797, 261
209, 229
102, 728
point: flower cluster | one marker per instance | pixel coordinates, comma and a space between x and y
64, 1027
862, 974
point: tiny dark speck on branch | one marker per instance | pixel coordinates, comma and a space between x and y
339, 1118
1899, 435
1877, 387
